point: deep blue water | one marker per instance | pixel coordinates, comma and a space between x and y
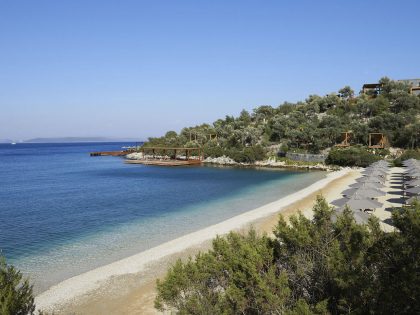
62, 210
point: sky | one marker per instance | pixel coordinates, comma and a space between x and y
134, 68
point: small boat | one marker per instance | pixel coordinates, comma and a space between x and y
13, 143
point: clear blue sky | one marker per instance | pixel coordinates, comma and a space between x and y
138, 68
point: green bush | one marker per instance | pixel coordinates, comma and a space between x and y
318, 266
247, 155
213, 151
16, 296
353, 156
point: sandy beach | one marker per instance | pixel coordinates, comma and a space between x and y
127, 286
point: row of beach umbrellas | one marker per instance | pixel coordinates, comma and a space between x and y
362, 195
412, 180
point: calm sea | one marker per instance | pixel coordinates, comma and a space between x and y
63, 212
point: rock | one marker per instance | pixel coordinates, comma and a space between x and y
135, 156
222, 160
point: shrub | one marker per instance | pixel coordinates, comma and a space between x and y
16, 296
353, 156
327, 265
248, 154
213, 151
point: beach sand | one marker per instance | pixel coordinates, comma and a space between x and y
128, 286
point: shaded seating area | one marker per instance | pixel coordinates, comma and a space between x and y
411, 181
362, 196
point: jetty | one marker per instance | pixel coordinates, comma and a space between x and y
167, 156
112, 153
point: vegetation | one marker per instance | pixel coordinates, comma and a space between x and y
15, 293
311, 126
328, 265
351, 156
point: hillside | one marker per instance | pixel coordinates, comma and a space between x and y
312, 125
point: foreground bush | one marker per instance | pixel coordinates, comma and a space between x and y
15, 293
319, 266
353, 156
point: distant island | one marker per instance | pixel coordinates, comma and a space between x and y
79, 139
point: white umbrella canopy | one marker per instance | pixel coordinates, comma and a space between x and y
370, 179
380, 163
413, 182
357, 203
368, 185
364, 192
374, 173
359, 216
413, 175
414, 190
362, 204
413, 170
376, 169
411, 162
413, 199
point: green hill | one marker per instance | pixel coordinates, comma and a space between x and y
312, 125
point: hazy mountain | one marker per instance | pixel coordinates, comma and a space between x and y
6, 141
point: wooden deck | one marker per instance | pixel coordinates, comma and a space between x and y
111, 153
165, 162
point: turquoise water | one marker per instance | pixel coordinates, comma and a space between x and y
63, 212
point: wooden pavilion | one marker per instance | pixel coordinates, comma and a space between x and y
345, 139
377, 140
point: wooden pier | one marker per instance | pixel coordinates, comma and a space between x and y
111, 153
165, 162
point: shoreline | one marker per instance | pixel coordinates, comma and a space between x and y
73, 291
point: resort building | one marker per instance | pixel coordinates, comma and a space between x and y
414, 84
375, 89
372, 88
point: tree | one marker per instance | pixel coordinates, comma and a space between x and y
346, 92
16, 296
327, 265
245, 117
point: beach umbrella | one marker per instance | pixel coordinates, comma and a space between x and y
413, 169
413, 182
368, 184
414, 190
374, 173
364, 192
376, 168
412, 199
359, 216
339, 202
357, 202
410, 162
370, 179
413, 175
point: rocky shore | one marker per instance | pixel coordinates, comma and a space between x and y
224, 160
271, 162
